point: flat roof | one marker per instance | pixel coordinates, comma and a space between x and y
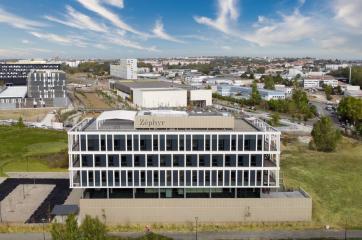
14, 92
128, 85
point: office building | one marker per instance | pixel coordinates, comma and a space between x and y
172, 166
47, 88
126, 69
173, 154
12, 74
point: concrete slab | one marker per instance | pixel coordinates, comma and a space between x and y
20, 204
56, 175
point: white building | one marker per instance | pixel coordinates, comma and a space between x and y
13, 97
200, 97
173, 154
126, 69
160, 97
319, 82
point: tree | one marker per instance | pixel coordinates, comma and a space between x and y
255, 97
275, 119
325, 135
93, 229
269, 83
328, 90
20, 123
350, 109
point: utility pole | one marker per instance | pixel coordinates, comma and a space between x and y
1, 216
350, 75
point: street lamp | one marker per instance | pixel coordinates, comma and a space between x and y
196, 219
43, 221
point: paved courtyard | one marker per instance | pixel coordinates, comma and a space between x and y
20, 204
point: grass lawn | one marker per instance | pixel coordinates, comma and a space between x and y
334, 181
44, 150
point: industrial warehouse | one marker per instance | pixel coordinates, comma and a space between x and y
155, 166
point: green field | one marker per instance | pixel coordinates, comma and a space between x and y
334, 181
32, 149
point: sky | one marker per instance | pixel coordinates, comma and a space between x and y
176, 28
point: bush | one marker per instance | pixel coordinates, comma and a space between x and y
325, 135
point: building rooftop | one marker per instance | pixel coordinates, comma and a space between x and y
166, 120
14, 92
128, 85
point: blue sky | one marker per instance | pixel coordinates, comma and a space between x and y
164, 28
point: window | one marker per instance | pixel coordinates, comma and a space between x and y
126, 160
250, 143
155, 178
139, 160
214, 142
204, 160
207, 143
188, 142
146, 142
155, 142
103, 143
256, 160
113, 160
178, 160
93, 143
135, 143
217, 160
260, 142
240, 142
87, 160
152, 160
162, 142
83, 143
230, 160
233, 143
165, 160
243, 160
129, 142
171, 143
119, 143
100, 160
224, 142
181, 142
109, 143
191, 160
198, 142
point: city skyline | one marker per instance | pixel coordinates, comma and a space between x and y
139, 28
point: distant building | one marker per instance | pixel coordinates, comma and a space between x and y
317, 82
245, 92
13, 97
126, 69
155, 94
47, 88
12, 74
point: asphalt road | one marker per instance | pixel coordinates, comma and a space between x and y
308, 234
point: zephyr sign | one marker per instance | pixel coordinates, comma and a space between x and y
151, 123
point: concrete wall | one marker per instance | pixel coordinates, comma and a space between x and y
122, 211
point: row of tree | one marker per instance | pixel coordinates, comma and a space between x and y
96, 68
350, 112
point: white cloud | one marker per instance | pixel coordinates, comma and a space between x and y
65, 40
100, 46
332, 42
115, 3
291, 28
25, 41
127, 43
78, 20
97, 7
159, 32
18, 22
227, 48
20, 52
349, 12
227, 14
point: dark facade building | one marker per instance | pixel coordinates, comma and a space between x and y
17, 73
47, 88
